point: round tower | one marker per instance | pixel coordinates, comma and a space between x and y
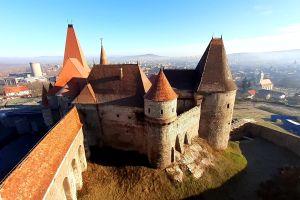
36, 69
160, 104
218, 90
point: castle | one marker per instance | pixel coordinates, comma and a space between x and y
120, 108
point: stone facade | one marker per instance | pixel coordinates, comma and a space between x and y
68, 179
216, 116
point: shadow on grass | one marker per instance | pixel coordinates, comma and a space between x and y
107, 156
224, 192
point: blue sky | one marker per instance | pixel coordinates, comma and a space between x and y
170, 27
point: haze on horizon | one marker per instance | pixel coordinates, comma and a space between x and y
168, 28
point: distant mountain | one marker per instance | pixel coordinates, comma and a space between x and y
243, 59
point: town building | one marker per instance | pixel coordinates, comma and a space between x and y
16, 91
263, 83
120, 108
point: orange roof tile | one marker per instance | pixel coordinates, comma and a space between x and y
161, 90
31, 179
71, 69
72, 48
14, 89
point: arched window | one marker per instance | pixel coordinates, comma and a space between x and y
76, 173
81, 157
172, 155
186, 141
177, 145
67, 189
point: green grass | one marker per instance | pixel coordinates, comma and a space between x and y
138, 182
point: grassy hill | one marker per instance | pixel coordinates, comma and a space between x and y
118, 175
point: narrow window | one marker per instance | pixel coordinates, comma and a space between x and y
228, 105
149, 110
118, 115
172, 109
161, 111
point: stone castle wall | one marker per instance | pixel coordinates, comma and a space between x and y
68, 177
123, 128
216, 116
161, 110
164, 141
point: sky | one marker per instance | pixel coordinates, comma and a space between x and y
163, 27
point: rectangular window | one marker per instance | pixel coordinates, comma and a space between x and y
148, 110
161, 111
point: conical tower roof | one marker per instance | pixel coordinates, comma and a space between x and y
72, 48
103, 58
213, 69
161, 89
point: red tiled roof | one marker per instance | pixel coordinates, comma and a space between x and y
33, 176
72, 47
213, 69
86, 96
121, 84
161, 90
74, 64
14, 89
252, 92
71, 69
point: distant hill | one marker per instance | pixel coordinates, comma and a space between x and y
273, 57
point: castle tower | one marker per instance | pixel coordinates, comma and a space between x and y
218, 90
160, 104
103, 58
72, 48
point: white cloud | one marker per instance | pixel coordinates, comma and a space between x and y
285, 38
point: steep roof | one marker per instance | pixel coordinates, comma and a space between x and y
161, 89
45, 91
71, 69
213, 70
31, 179
182, 79
86, 96
72, 48
121, 84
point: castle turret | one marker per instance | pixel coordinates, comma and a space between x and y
103, 58
218, 90
160, 104
161, 101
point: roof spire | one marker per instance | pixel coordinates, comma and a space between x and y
103, 58
72, 49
